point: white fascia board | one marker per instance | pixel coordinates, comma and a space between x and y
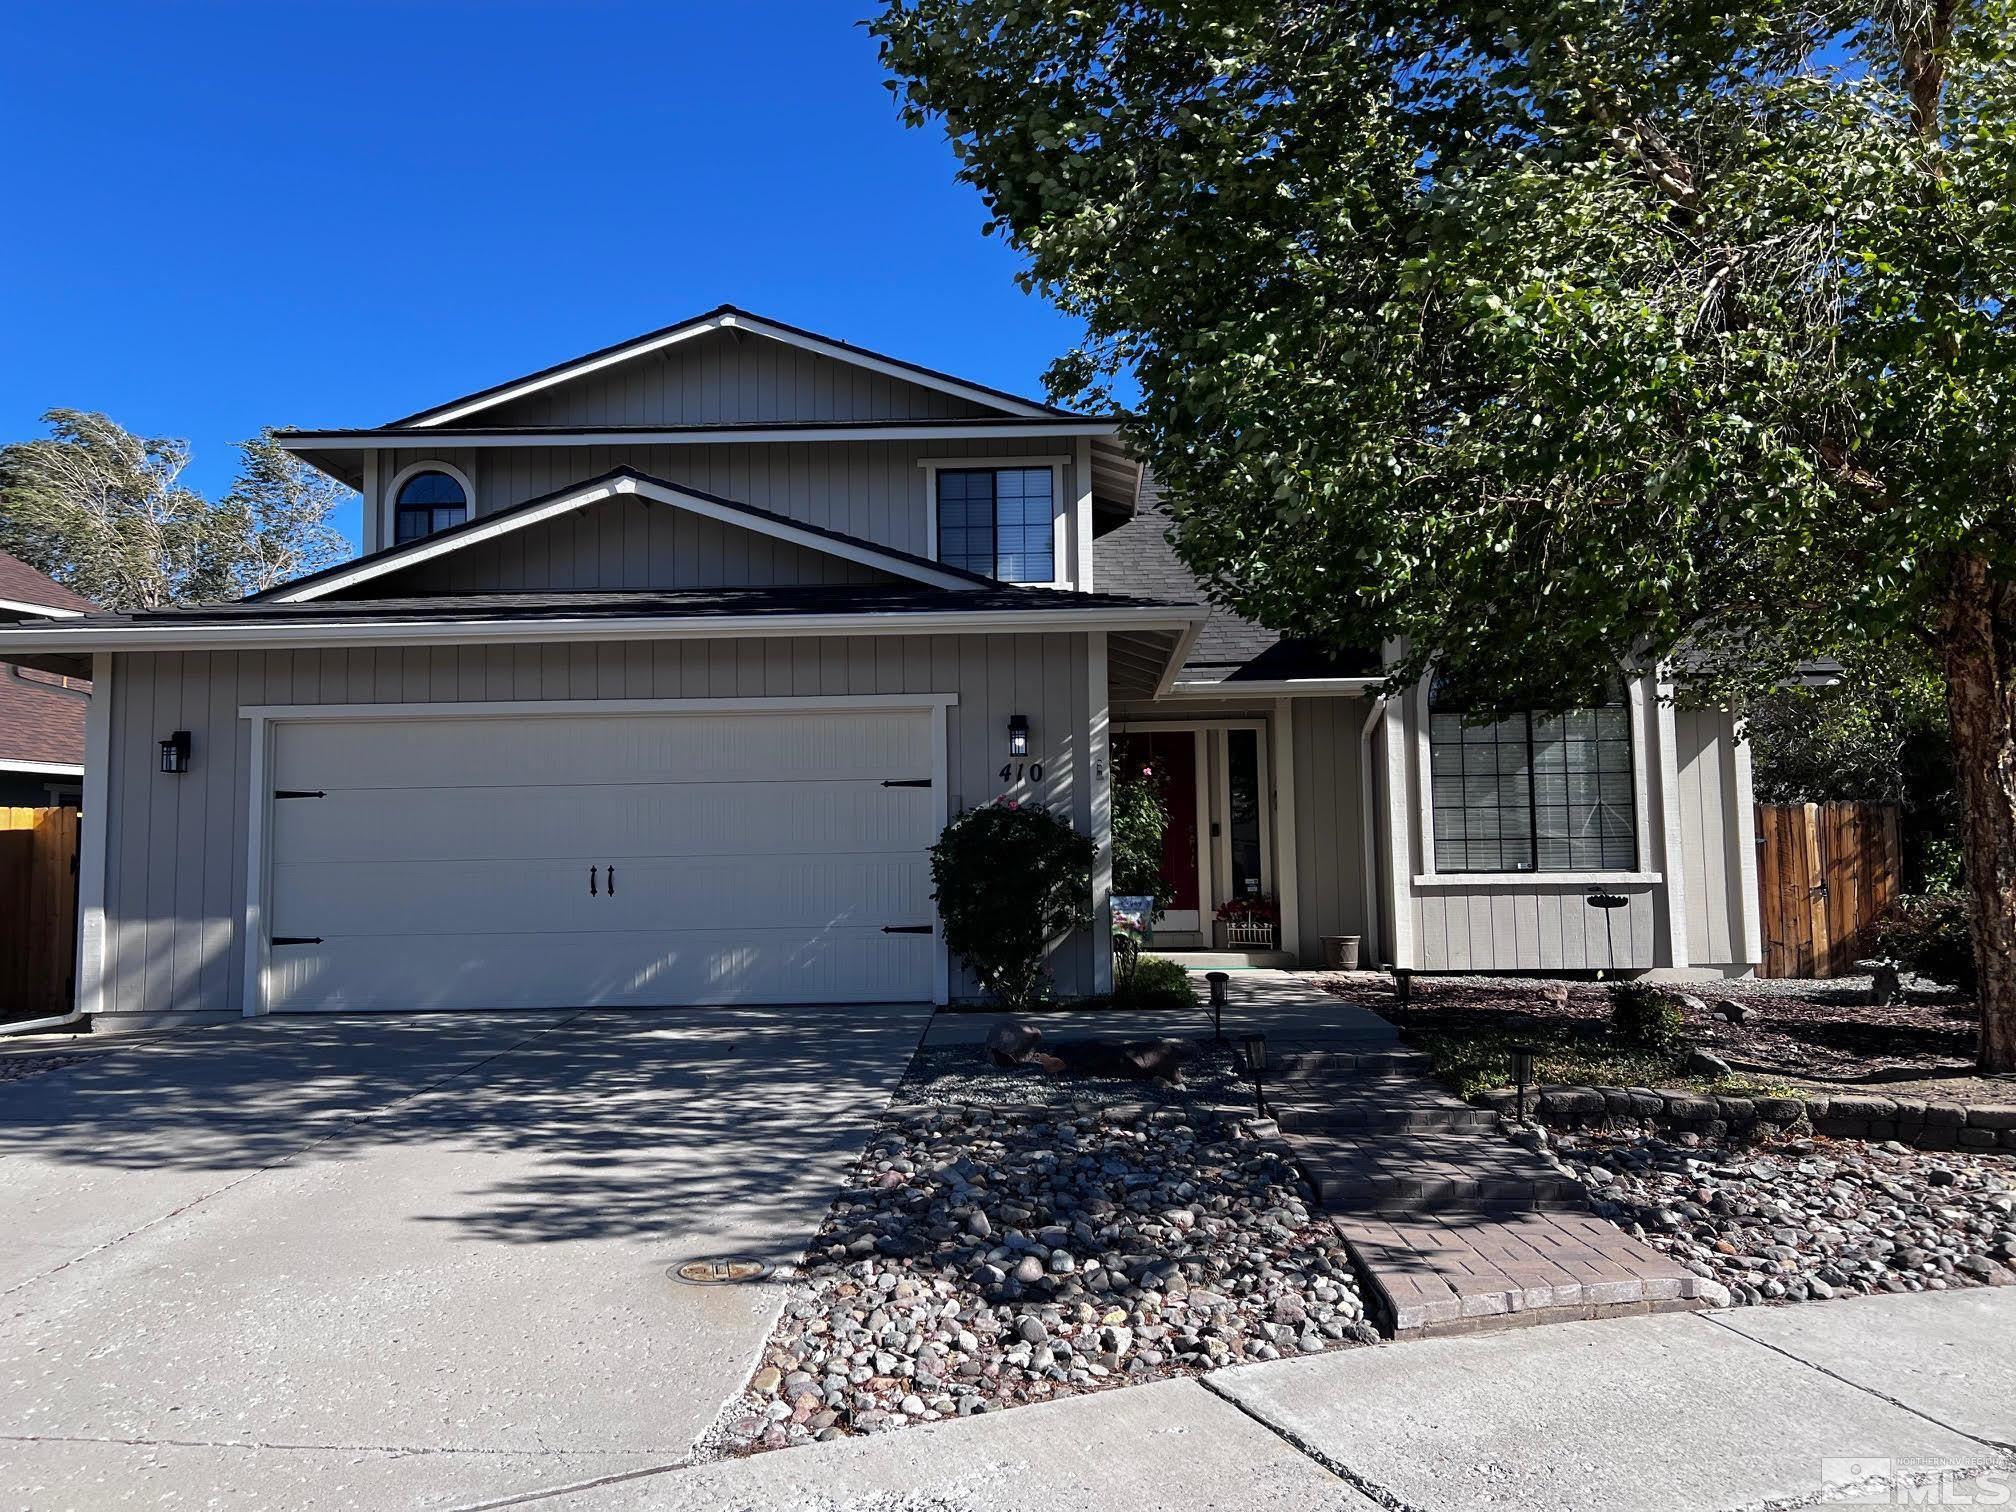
311, 441
37, 611
724, 322
863, 553
269, 636
52, 768
1181, 653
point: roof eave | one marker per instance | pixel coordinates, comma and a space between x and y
274, 634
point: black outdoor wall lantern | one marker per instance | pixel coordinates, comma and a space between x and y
1018, 735
175, 752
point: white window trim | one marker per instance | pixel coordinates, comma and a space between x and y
389, 506
1270, 882
1641, 811
1062, 530
259, 795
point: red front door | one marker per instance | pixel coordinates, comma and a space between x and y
1173, 756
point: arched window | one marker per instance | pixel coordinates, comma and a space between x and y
429, 502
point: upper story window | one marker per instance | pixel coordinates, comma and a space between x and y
1533, 792
1000, 521
428, 502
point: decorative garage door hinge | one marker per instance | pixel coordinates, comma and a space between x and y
906, 929
299, 793
906, 782
297, 939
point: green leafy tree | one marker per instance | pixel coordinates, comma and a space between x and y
1546, 335
106, 512
1878, 734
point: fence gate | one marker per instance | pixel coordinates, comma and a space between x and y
38, 911
1824, 870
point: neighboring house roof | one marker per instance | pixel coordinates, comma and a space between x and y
41, 713
41, 721
725, 317
25, 592
1137, 559
618, 481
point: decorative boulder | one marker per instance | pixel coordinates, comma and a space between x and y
1884, 986
1012, 1042
1708, 1063
1134, 1060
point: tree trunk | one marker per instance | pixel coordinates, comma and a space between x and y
1979, 638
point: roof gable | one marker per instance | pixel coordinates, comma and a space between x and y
654, 344
621, 482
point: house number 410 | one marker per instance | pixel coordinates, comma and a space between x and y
1015, 771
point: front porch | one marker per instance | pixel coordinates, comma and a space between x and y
1266, 819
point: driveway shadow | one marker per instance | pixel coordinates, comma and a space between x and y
539, 1128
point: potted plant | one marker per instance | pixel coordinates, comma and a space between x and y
1247, 923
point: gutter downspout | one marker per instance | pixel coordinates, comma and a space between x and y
73, 1016
1368, 838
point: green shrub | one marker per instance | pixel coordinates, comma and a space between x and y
1156, 983
1011, 880
1645, 1016
1140, 820
1929, 936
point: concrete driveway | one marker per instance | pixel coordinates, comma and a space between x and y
409, 1261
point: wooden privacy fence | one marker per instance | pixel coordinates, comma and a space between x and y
1824, 870
38, 911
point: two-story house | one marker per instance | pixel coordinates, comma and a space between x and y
661, 669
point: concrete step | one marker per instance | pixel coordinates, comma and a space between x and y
1343, 1064
1226, 960
1400, 1172
1386, 1107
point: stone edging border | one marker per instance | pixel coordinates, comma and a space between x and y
1912, 1121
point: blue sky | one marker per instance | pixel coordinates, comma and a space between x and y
225, 215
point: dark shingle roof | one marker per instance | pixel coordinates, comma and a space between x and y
24, 585
42, 716
1137, 559
685, 603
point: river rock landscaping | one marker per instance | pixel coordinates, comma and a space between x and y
991, 1256
1789, 1220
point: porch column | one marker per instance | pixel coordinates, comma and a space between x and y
1286, 885
1099, 773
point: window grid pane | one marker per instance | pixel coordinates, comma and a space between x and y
1540, 792
998, 521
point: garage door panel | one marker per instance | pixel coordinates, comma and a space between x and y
601, 970
531, 823
598, 749
807, 892
758, 858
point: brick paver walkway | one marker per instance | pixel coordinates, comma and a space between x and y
1456, 1227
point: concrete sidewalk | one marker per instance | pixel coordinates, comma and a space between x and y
1686, 1413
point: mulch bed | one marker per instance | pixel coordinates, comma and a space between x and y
1825, 1034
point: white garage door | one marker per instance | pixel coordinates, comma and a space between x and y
601, 859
